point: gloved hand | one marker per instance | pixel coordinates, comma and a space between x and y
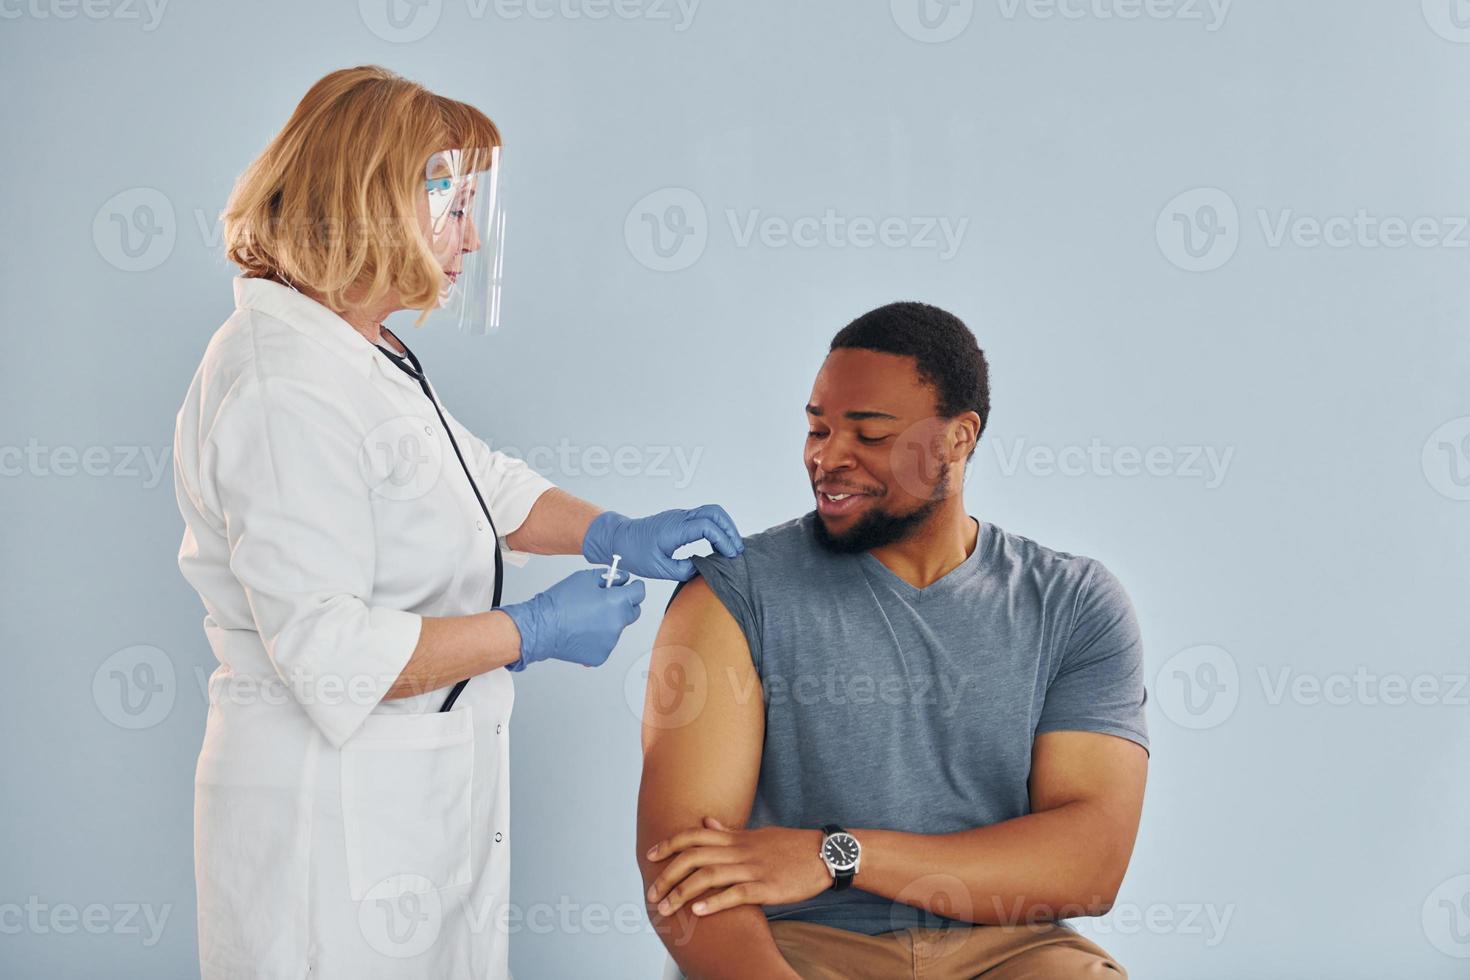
647, 544
576, 620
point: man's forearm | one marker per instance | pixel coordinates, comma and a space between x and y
1062, 862
735, 944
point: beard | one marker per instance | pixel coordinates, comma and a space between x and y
878, 527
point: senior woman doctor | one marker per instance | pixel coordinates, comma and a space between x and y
341, 530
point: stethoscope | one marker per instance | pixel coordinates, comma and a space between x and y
411, 367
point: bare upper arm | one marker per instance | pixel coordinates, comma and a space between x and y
1071, 766
703, 716
1106, 773
703, 733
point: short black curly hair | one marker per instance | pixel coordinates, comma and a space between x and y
947, 355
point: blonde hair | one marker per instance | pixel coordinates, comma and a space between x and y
333, 201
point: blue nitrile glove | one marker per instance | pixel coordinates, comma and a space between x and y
647, 544
576, 620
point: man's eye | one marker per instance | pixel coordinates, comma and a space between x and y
873, 440
814, 434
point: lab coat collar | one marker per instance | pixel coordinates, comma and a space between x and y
311, 318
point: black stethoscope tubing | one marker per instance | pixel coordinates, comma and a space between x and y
417, 373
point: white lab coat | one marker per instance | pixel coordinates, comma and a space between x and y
337, 835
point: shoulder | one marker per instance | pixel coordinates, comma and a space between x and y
1025, 556
1079, 583
255, 366
254, 346
774, 563
782, 551
783, 541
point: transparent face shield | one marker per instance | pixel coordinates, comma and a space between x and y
466, 226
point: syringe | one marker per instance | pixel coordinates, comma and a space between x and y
611, 575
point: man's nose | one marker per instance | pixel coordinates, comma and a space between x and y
833, 457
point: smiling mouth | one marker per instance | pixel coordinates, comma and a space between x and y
837, 504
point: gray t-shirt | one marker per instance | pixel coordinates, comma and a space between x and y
914, 709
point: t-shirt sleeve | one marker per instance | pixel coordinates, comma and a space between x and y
1098, 686
729, 579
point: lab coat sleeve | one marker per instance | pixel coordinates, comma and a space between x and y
513, 488
510, 487
299, 519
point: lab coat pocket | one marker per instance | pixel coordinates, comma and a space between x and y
406, 803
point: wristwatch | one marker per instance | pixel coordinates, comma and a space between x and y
841, 853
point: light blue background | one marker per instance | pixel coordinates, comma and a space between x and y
1330, 838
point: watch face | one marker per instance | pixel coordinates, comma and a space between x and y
841, 851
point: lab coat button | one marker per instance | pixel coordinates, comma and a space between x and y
498, 838
497, 729
479, 525
429, 429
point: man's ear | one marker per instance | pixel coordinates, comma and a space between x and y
964, 435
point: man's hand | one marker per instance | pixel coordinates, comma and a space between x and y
766, 866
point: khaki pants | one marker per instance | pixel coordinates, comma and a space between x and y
1043, 952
